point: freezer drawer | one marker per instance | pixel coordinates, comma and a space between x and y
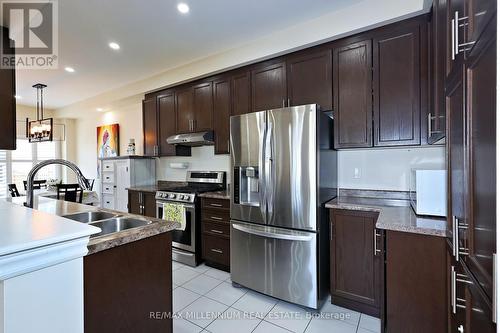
275, 261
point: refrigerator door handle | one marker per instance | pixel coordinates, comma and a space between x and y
268, 160
295, 236
262, 175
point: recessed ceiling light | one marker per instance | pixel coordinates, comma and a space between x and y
183, 8
69, 69
17, 97
114, 46
100, 109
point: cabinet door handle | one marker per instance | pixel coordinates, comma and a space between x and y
217, 251
429, 125
460, 329
283, 103
215, 205
453, 292
216, 218
456, 33
216, 231
494, 301
288, 100
453, 237
452, 39
375, 249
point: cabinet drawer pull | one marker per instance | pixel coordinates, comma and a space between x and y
217, 231
217, 251
216, 218
215, 205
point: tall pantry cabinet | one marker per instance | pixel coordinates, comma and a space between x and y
119, 173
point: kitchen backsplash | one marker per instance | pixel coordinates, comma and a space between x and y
385, 169
201, 159
377, 169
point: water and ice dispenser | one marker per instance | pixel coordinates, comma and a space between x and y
246, 185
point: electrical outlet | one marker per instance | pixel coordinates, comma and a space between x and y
357, 173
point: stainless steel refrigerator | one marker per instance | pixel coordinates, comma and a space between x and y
284, 170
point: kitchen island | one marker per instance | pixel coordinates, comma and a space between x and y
41, 271
127, 275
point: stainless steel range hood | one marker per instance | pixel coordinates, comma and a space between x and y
192, 139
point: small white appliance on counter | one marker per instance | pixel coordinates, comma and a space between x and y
428, 195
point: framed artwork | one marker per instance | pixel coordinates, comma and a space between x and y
108, 141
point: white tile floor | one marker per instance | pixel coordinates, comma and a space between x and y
204, 300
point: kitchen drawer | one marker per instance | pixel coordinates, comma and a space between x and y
216, 249
108, 166
217, 215
108, 177
108, 201
215, 203
215, 228
108, 188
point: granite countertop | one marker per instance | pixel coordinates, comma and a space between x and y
393, 214
217, 195
150, 188
58, 208
162, 185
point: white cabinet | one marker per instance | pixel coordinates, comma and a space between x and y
119, 173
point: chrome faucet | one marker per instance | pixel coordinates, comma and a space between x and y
84, 183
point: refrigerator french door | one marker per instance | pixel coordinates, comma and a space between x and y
276, 244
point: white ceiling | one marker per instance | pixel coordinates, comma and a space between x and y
153, 37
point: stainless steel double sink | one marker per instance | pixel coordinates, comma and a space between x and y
108, 222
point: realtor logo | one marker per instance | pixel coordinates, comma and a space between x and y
32, 41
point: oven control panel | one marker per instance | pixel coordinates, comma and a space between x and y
173, 196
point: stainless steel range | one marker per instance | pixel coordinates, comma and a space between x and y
186, 244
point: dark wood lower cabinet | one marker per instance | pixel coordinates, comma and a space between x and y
128, 288
415, 283
142, 203
356, 261
215, 232
469, 307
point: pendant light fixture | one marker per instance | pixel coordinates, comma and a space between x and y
41, 129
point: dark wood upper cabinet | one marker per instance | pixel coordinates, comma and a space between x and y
7, 100
150, 127
185, 110
203, 106
396, 86
166, 122
356, 268
269, 86
481, 106
241, 93
309, 79
222, 112
456, 146
436, 118
352, 95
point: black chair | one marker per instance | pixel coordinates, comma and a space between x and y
13, 190
37, 184
69, 192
